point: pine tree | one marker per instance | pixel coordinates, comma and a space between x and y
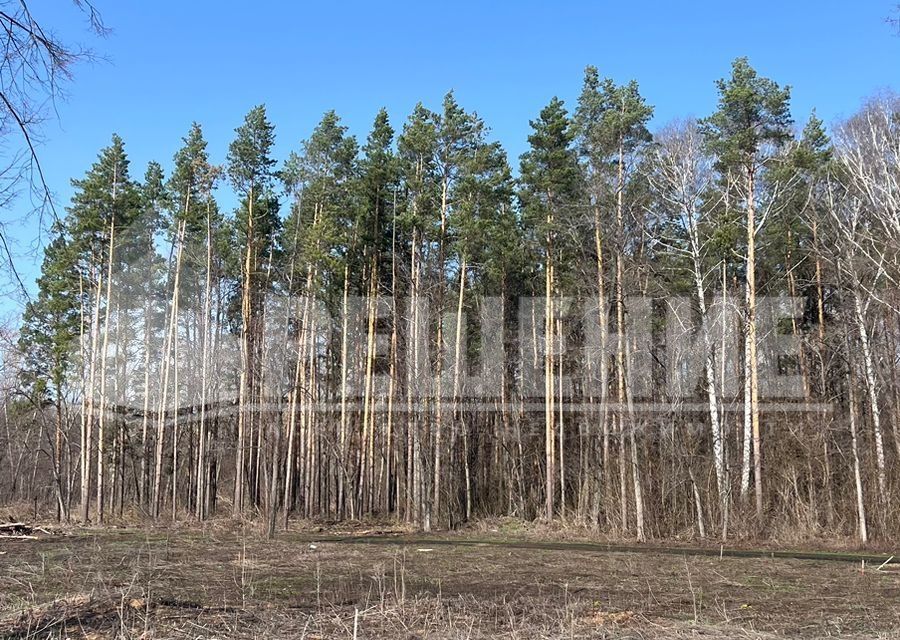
106, 202
419, 221
149, 270
611, 121
483, 232
551, 190
378, 184
752, 123
250, 168
378, 187
458, 135
321, 232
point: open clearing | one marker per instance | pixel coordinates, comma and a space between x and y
233, 584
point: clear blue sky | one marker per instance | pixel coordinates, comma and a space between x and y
173, 62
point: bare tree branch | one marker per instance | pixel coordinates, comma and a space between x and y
34, 66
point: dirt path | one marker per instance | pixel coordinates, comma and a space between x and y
877, 559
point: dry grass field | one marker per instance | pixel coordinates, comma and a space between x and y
232, 583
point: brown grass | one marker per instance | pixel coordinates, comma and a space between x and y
226, 581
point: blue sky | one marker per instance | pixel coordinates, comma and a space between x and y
169, 63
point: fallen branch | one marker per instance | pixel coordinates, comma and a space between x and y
21, 530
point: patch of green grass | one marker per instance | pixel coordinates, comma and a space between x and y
286, 588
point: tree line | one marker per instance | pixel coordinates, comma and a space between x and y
173, 362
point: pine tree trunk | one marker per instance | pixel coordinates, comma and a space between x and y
549, 387
202, 462
168, 347
144, 485
245, 384
368, 415
392, 386
88, 431
101, 427
603, 318
752, 346
457, 353
342, 441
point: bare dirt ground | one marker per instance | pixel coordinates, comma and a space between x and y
232, 583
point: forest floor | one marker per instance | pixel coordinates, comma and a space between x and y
315, 583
